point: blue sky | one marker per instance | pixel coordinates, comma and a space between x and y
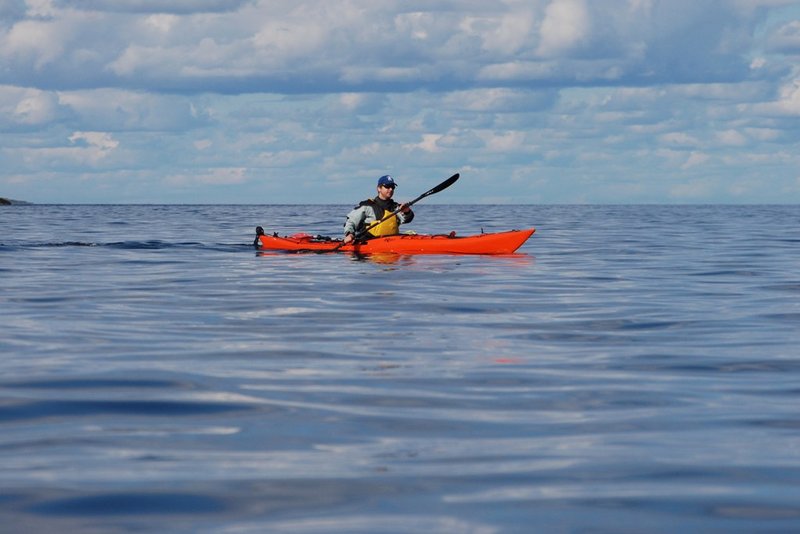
295, 101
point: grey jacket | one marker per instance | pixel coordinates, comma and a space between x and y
364, 214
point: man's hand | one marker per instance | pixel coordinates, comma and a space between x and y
348, 239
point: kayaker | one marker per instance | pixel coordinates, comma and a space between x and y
374, 209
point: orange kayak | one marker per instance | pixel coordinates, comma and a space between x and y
496, 243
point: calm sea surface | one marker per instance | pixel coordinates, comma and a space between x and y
633, 369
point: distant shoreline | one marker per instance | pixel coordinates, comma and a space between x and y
9, 202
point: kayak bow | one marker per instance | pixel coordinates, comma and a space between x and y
494, 243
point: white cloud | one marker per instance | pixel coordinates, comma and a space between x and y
786, 39
695, 159
28, 107
506, 33
40, 8
362, 103
679, 139
691, 191
763, 134
300, 32
732, 138
284, 158
162, 22
789, 99
504, 141
218, 176
151, 6
429, 143
786, 103
202, 90
111, 108
566, 25
309, 45
85, 150
102, 141
500, 100
33, 42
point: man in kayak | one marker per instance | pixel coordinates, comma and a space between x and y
361, 221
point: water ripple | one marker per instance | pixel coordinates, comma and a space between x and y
622, 370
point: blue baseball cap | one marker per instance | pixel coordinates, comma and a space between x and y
386, 180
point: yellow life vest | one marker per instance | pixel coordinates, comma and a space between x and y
390, 226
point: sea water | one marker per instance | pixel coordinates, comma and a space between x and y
631, 369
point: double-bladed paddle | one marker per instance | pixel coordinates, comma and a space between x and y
442, 186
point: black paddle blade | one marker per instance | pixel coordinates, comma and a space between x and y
442, 186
